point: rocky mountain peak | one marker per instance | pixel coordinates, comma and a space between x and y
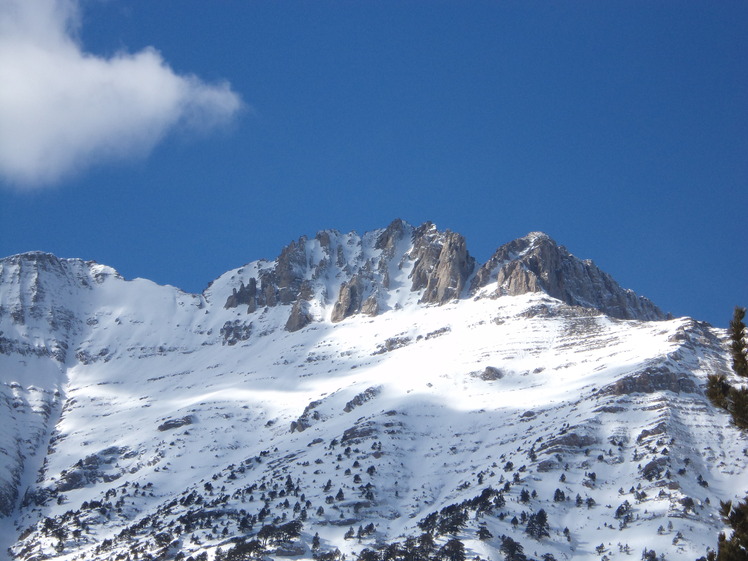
536, 263
334, 276
389, 237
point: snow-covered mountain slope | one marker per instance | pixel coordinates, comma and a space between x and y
364, 382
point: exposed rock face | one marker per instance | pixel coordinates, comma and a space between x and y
35, 303
244, 295
388, 239
290, 271
307, 416
491, 373
387, 243
358, 400
280, 285
567, 442
370, 307
176, 423
308, 269
536, 263
650, 380
300, 316
349, 302
355, 274
235, 331
442, 264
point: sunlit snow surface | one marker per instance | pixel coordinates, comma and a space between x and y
137, 355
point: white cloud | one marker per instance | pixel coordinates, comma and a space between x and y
62, 109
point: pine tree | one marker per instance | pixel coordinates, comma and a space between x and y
512, 550
735, 548
737, 343
368, 555
452, 519
537, 525
428, 524
718, 390
623, 509
392, 552
426, 544
738, 406
453, 550
484, 533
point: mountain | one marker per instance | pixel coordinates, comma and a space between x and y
358, 391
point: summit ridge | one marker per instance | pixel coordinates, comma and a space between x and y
355, 272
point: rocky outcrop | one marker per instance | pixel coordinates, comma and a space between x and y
370, 307
289, 271
300, 316
567, 442
171, 424
284, 283
304, 421
235, 331
349, 301
307, 269
391, 344
491, 373
387, 243
246, 295
390, 236
361, 398
650, 380
536, 263
442, 264
363, 271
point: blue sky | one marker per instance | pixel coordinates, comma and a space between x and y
619, 128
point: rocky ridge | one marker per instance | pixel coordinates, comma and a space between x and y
536, 263
354, 274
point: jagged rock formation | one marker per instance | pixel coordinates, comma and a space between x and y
350, 299
536, 263
442, 264
359, 270
300, 316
